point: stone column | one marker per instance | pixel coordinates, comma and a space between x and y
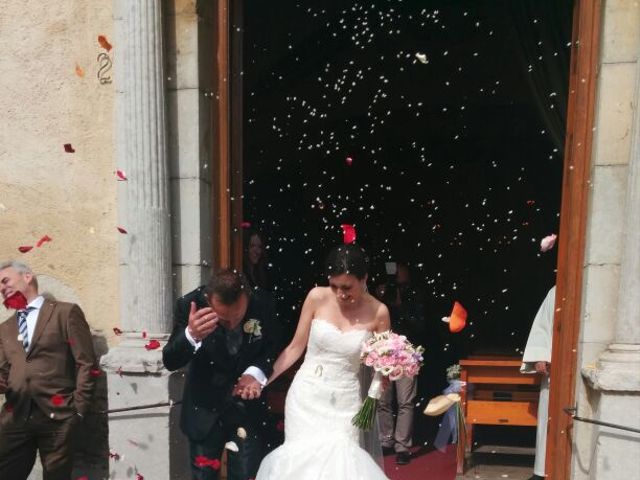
616, 376
140, 440
143, 200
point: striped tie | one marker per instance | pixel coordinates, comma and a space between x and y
22, 326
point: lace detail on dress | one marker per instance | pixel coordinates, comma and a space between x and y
320, 441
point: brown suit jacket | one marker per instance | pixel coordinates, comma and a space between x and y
59, 363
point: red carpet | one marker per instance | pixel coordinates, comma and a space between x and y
424, 465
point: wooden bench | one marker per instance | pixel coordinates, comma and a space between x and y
496, 394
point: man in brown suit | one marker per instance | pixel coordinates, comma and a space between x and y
47, 373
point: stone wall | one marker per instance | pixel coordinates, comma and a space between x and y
52, 96
602, 453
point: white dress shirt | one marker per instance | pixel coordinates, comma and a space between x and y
32, 316
255, 372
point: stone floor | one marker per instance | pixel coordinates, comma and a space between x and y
498, 462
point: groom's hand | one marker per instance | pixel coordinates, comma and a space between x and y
248, 388
202, 322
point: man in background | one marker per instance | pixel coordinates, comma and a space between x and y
406, 309
47, 373
537, 360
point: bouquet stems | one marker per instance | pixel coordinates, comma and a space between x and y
364, 418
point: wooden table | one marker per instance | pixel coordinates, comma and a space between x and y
496, 394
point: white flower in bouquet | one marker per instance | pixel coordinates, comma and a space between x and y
390, 355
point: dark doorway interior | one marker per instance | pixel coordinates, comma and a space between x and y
436, 128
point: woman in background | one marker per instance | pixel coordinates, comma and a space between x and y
255, 260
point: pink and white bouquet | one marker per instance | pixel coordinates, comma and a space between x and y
391, 355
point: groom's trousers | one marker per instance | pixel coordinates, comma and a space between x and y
241, 465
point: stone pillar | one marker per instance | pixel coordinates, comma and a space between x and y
141, 440
143, 200
615, 378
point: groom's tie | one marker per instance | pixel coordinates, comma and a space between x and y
22, 326
234, 340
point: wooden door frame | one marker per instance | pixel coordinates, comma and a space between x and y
227, 140
585, 51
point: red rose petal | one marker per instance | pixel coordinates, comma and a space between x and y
144, 334
122, 230
84, 477
25, 248
57, 400
139, 477
348, 233
348, 161
201, 461
17, 301
122, 177
71, 342
152, 345
79, 71
44, 239
104, 43
458, 318
245, 224
95, 372
8, 407
280, 426
117, 331
68, 148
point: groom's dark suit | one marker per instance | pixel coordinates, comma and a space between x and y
211, 416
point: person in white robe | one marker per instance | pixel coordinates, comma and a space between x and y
537, 360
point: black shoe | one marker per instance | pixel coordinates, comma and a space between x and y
403, 458
386, 451
536, 477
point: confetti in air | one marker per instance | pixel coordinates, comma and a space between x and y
458, 318
152, 345
422, 58
122, 177
348, 233
548, 242
43, 240
104, 43
25, 248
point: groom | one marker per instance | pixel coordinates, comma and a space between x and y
228, 335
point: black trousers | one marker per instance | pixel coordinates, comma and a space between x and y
19, 444
241, 465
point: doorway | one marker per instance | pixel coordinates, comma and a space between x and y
421, 125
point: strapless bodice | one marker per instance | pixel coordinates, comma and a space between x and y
333, 353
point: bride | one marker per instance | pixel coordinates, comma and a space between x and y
320, 441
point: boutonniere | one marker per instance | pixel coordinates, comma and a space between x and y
253, 328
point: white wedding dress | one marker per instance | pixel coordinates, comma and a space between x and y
320, 441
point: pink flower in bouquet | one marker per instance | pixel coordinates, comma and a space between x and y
391, 355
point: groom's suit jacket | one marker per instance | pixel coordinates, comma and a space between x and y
56, 372
213, 371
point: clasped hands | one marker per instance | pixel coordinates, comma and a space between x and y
247, 388
202, 323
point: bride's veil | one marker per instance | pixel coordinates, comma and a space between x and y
370, 440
